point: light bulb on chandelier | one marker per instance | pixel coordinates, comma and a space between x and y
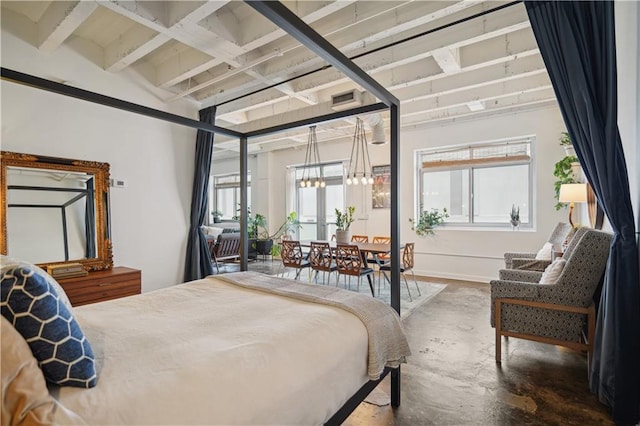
359, 163
312, 161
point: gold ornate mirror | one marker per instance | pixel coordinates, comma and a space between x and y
55, 210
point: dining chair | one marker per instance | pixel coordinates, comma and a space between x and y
293, 257
380, 258
407, 265
349, 262
321, 259
359, 238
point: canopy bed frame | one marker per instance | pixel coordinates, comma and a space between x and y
293, 25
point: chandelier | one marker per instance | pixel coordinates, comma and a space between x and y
312, 161
359, 163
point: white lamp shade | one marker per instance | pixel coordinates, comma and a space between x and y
573, 193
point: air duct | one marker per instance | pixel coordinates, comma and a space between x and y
376, 123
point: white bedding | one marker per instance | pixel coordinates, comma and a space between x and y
242, 357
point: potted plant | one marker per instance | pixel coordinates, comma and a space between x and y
284, 231
217, 215
515, 216
567, 144
343, 222
428, 220
265, 240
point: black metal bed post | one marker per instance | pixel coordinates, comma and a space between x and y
244, 204
284, 18
394, 154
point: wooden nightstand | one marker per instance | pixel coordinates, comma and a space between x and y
102, 285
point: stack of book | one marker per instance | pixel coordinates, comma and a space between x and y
68, 270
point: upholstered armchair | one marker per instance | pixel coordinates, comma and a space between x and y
560, 233
555, 305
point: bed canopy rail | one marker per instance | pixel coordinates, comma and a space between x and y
297, 28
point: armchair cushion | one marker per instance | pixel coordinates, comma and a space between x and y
545, 252
552, 272
530, 264
521, 276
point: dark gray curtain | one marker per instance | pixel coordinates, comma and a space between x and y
90, 221
198, 262
577, 42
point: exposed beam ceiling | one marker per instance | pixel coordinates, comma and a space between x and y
215, 51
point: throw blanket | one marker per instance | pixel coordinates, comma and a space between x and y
388, 344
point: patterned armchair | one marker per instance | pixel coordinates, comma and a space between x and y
553, 313
558, 235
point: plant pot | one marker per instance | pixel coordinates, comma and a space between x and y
343, 236
216, 220
569, 151
263, 247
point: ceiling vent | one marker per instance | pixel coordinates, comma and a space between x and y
346, 100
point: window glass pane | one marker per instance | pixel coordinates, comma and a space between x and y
450, 189
226, 202
307, 211
308, 231
335, 200
496, 189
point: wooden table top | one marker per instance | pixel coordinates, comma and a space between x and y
365, 247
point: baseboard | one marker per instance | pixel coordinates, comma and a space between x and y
458, 277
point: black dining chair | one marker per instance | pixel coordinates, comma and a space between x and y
407, 265
321, 260
350, 263
293, 257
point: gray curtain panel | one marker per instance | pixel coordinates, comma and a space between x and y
577, 43
198, 261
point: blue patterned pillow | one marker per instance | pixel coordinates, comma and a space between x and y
33, 307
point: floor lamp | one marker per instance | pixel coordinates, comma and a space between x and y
573, 193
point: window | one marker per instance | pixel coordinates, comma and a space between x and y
316, 206
224, 195
478, 184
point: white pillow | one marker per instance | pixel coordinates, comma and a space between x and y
213, 231
552, 272
545, 252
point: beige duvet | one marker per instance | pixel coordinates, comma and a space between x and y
209, 352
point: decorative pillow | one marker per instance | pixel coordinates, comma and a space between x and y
25, 398
552, 272
33, 307
545, 252
8, 263
212, 231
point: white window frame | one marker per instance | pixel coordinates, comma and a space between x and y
213, 193
472, 164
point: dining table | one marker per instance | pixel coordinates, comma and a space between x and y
375, 249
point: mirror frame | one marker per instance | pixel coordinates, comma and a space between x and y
104, 251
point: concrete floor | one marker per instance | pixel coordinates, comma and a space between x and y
452, 377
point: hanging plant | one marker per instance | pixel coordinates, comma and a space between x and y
563, 171
428, 220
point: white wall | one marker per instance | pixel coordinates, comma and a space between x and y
150, 216
462, 254
628, 62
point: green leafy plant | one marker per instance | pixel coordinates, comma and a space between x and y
217, 215
515, 213
345, 219
290, 224
428, 220
565, 139
564, 174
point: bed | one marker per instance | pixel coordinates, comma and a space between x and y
241, 348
